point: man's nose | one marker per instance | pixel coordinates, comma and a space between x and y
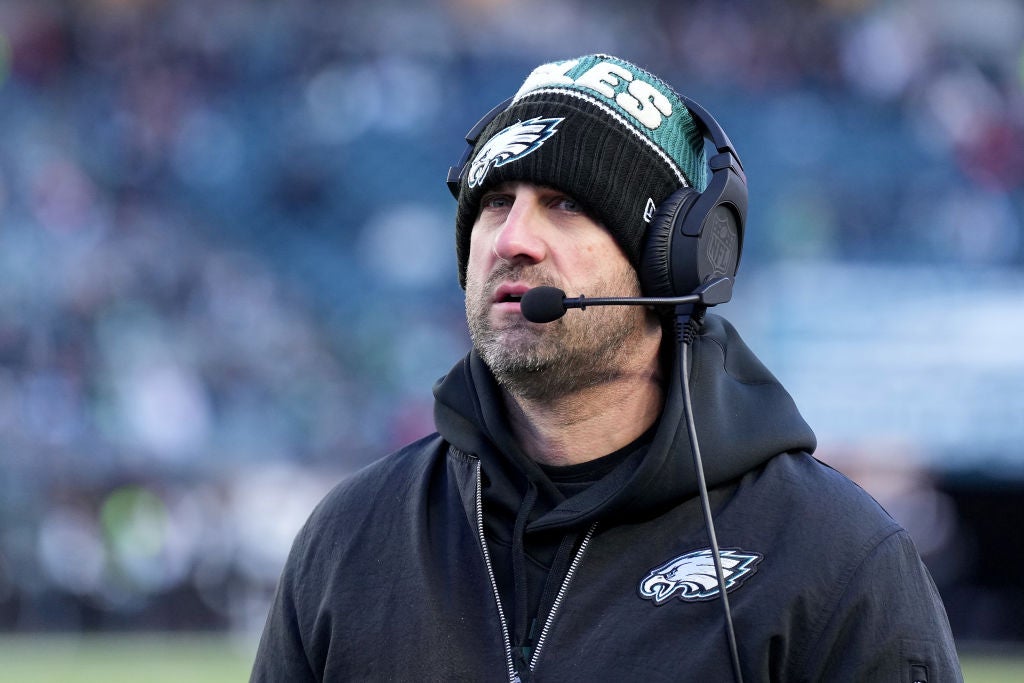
520, 238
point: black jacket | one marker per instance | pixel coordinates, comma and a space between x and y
396, 573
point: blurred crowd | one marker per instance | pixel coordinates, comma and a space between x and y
227, 275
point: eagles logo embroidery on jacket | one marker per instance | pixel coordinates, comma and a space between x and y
691, 577
515, 142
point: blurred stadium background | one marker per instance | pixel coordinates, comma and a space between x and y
227, 278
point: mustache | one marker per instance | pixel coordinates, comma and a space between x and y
515, 272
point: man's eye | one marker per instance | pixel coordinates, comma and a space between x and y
569, 204
494, 201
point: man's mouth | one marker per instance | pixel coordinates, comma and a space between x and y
510, 293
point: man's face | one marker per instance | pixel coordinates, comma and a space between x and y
525, 236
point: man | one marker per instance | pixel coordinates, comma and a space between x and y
552, 530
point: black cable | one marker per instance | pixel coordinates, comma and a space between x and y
686, 330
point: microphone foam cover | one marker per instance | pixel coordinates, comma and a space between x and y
543, 304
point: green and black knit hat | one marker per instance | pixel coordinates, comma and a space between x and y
613, 136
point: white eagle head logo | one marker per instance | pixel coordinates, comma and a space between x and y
691, 577
515, 142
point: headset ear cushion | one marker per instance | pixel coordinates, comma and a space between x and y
656, 259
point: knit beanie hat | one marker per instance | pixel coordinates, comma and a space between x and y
608, 133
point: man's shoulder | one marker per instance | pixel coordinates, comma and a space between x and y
386, 477
823, 498
844, 560
825, 536
364, 504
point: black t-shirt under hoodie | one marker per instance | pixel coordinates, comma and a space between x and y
529, 566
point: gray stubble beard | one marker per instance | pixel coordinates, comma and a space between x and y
544, 362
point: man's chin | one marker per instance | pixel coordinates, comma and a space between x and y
515, 334
509, 355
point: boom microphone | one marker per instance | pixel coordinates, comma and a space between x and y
546, 304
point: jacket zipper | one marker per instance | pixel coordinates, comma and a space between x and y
513, 677
561, 595
510, 666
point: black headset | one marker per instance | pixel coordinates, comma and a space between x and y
693, 236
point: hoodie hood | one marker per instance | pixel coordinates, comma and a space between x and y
742, 413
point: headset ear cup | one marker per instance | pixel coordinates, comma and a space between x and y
656, 260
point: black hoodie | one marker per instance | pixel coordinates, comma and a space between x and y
433, 562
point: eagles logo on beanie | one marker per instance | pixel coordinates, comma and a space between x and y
608, 133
